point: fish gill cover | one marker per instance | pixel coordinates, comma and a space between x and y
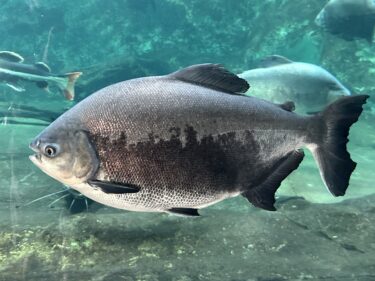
111, 41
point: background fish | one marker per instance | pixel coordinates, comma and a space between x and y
13, 70
181, 142
279, 80
348, 19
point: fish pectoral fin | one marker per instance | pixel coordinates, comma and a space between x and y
274, 60
288, 106
11, 56
263, 195
184, 211
43, 85
15, 87
213, 76
42, 66
113, 187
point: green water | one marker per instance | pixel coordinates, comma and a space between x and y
316, 238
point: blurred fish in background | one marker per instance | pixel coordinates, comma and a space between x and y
279, 80
13, 71
348, 19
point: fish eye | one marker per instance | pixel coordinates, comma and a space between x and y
50, 150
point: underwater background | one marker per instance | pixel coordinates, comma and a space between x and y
312, 236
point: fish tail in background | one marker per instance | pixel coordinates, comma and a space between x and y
330, 137
66, 83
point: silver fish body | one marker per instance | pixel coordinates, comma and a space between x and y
183, 141
309, 86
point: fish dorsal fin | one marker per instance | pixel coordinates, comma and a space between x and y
274, 60
42, 66
213, 76
11, 56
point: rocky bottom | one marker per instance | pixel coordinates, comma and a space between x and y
230, 241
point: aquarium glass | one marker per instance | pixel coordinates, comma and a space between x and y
48, 231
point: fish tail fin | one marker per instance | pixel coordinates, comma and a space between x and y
67, 86
329, 138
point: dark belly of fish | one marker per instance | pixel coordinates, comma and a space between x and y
172, 173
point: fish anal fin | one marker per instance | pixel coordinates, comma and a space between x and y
263, 195
274, 60
42, 66
113, 187
213, 76
288, 106
11, 56
185, 212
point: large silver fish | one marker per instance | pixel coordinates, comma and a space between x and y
309, 86
13, 70
349, 19
184, 141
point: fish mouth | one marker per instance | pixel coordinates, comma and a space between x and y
320, 19
36, 158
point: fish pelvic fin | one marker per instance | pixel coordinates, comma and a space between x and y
263, 195
330, 136
15, 87
43, 85
68, 83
